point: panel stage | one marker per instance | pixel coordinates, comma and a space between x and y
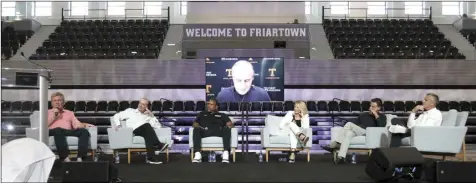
245, 169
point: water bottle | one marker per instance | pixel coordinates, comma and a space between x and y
210, 157
117, 158
354, 159
260, 157
213, 156
96, 157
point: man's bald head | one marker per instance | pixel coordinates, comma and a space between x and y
243, 75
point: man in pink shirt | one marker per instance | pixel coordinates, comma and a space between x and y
63, 123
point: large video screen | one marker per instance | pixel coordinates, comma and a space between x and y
245, 79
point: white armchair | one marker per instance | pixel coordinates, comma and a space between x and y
34, 133
272, 140
429, 140
123, 138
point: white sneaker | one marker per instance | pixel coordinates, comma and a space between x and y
225, 157
197, 158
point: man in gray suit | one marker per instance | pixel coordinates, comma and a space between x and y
372, 118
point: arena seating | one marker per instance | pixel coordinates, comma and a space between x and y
12, 40
388, 39
470, 35
104, 39
180, 115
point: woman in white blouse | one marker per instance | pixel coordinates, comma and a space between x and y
294, 124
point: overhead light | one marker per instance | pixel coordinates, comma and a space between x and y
133, 52
10, 127
3, 79
313, 48
301, 57
170, 44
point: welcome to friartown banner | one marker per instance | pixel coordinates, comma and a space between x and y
240, 31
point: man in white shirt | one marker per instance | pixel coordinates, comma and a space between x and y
143, 122
430, 117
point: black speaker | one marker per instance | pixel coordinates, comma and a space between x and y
87, 172
393, 163
453, 171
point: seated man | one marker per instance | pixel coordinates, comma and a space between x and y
372, 118
430, 117
143, 122
63, 123
212, 124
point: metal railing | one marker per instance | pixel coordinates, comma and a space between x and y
326, 14
65, 15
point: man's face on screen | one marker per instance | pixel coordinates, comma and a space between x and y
242, 81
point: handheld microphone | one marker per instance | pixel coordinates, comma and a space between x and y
49, 73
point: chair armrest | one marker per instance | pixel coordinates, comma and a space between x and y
377, 137
234, 137
122, 138
265, 133
93, 132
165, 132
439, 139
308, 132
33, 133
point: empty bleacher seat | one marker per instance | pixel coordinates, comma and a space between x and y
200, 106
134, 104
288, 105
454, 105
322, 106
355, 106
399, 106
189, 106
311, 106
365, 105
255, 107
6, 106
267, 106
104, 39
13, 40
156, 106
465, 106
102, 106
123, 105
80, 106
27, 106
344, 106
113, 106
388, 39
167, 106
70, 105
409, 105
388, 106
91, 106
178, 106
16, 106
278, 107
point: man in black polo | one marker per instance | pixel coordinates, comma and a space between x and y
211, 123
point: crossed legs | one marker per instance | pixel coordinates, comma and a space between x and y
343, 139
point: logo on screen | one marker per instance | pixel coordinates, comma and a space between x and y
229, 72
207, 88
271, 71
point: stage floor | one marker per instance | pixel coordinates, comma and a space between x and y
245, 169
